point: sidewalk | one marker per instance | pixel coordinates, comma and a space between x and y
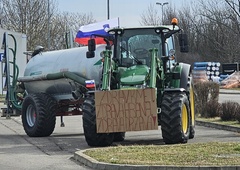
229, 91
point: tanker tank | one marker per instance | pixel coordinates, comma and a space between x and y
56, 72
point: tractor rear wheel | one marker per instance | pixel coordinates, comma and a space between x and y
89, 125
175, 118
38, 115
119, 136
192, 108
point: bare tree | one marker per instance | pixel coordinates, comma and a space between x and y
235, 6
64, 22
29, 17
219, 30
35, 18
212, 27
150, 17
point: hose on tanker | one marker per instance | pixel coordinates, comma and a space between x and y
13, 95
16, 103
70, 75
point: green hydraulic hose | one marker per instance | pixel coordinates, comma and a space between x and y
13, 96
153, 73
70, 75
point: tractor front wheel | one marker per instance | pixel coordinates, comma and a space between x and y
119, 136
175, 118
89, 126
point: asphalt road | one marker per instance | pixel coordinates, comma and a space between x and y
229, 97
20, 152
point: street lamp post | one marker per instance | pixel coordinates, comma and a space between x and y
108, 11
162, 4
48, 25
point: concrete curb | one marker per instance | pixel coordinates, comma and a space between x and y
218, 126
228, 91
94, 164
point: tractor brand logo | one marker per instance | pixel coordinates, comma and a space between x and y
35, 73
99, 62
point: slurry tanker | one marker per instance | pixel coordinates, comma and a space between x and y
131, 83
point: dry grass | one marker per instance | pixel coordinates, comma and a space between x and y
235, 89
214, 154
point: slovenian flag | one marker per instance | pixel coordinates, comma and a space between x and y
100, 28
90, 83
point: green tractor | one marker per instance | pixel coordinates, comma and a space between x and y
141, 87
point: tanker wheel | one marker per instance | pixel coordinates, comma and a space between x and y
38, 115
175, 118
119, 136
89, 125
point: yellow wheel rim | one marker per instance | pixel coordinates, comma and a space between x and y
184, 119
192, 105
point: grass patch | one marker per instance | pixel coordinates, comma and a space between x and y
213, 154
219, 121
235, 89
2, 97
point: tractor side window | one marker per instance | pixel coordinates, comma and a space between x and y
126, 58
169, 52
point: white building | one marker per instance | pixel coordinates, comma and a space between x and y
21, 59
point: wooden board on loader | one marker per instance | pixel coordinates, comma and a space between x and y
126, 110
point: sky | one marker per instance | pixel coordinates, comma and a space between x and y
128, 11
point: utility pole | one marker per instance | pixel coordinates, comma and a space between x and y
108, 10
48, 25
162, 4
239, 6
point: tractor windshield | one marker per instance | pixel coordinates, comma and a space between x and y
134, 45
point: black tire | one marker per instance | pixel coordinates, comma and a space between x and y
39, 115
89, 126
192, 109
175, 118
119, 136
186, 83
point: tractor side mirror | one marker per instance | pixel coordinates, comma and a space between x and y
183, 43
91, 45
91, 48
90, 54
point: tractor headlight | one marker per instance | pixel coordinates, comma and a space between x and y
141, 86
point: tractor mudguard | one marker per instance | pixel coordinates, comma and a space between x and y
174, 90
184, 75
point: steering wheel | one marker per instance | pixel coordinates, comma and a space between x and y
140, 51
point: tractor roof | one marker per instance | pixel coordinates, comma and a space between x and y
160, 27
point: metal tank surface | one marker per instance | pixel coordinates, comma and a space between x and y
44, 65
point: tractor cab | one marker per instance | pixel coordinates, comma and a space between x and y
137, 51
133, 48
